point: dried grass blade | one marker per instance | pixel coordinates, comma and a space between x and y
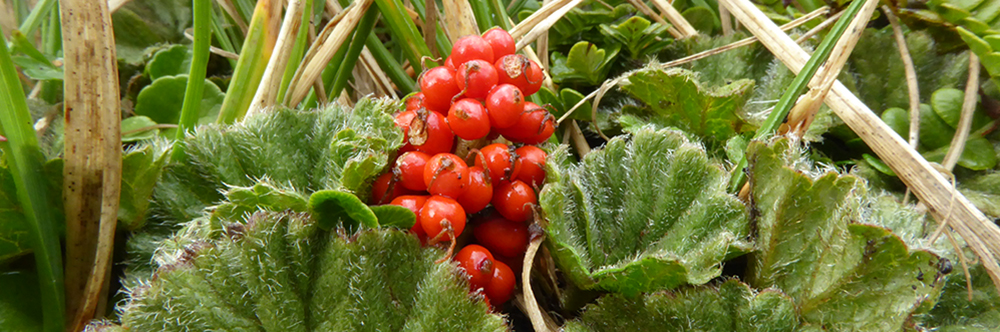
540, 21
459, 19
267, 90
965, 121
675, 18
325, 49
92, 156
911, 76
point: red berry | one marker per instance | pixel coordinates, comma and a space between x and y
514, 200
450, 64
447, 175
476, 78
471, 47
501, 286
467, 118
504, 104
521, 72
535, 124
410, 170
381, 186
501, 236
425, 131
479, 193
532, 165
500, 41
439, 86
414, 203
499, 161
440, 212
477, 263
415, 101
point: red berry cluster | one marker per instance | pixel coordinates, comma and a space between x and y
483, 97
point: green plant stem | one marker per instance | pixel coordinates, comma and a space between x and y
501, 13
390, 66
196, 76
484, 18
516, 6
797, 87
442, 42
25, 159
404, 31
222, 37
34, 19
361, 34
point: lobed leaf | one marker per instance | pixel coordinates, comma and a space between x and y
281, 272
809, 246
731, 306
644, 213
674, 97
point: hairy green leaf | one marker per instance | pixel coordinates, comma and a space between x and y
809, 246
644, 213
333, 208
674, 97
639, 36
141, 169
396, 216
984, 192
731, 306
281, 272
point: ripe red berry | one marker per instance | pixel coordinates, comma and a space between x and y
501, 42
467, 118
535, 124
501, 286
425, 131
410, 170
440, 213
479, 193
501, 236
514, 200
414, 203
521, 72
415, 101
450, 64
477, 263
476, 78
532, 165
439, 86
471, 47
447, 175
381, 186
499, 161
504, 104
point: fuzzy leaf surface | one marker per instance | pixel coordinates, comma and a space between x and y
644, 213
809, 246
140, 170
674, 97
281, 272
731, 306
301, 151
955, 312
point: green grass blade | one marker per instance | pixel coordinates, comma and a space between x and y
404, 31
34, 19
392, 68
222, 37
797, 87
261, 37
501, 13
484, 18
24, 158
361, 33
196, 76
